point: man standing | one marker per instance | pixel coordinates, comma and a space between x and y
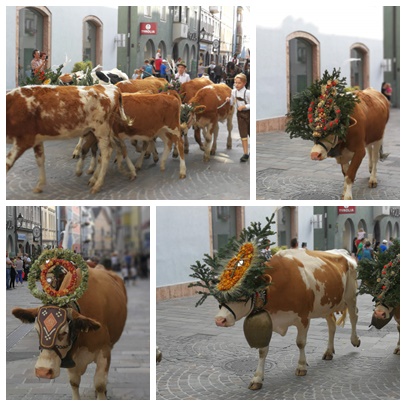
383, 247
8, 270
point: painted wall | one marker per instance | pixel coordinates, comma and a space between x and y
182, 238
336, 31
66, 36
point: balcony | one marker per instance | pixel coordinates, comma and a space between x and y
180, 31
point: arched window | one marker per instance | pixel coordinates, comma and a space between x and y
149, 50
33, 32
359, 66
303, 61
92, 40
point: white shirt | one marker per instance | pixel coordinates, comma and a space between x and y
182, 78
240, 94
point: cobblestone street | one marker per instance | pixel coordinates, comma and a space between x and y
202, 361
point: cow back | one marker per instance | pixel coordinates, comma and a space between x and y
371, 116
308, 283
105, 301
189, 89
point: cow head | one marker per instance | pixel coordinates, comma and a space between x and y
188, 113
231, 312
57, 330
324, 147
382, 316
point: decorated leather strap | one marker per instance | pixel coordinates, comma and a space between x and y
50, 320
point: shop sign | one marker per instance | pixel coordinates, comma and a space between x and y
346, 210
148, 29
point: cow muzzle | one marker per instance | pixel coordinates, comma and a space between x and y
45, 373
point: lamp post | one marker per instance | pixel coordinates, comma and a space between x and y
17, 225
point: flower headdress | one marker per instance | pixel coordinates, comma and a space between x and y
50, 268
235, 272
380, 278
322, 109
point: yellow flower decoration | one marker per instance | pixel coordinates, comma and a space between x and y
236, 267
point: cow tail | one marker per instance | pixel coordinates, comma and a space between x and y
126, 119
341, 320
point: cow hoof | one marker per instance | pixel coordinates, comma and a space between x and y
373, 185
205, 159
356, 343
300, 372
397, 351
182, 176
327, 356
255, 385
229, 147
156, 159
212, 152
37, 190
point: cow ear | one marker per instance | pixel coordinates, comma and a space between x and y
82, 323
25, 315
265, 278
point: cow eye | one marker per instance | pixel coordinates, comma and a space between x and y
61, 336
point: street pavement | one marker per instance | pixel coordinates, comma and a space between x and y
223, 178
129, 376
284, 170
202, 361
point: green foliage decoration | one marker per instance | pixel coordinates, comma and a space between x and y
380, 277
324, 108
209, 271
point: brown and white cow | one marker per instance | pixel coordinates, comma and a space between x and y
216, 109
151, 84
383, 315
153, 115
366, 131
35, 114
73, 338
187, 91
304, 285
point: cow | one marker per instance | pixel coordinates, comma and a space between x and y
151, 84
35, 114
153, 115
304, 285
367, 128
86, 333
216, 109
98, 76
383, 315
187, 91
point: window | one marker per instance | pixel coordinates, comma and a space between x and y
147, 11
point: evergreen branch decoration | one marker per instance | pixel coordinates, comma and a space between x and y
234, 273
324, 108
380, 277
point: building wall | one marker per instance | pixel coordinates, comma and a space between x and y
65, 37
336, 36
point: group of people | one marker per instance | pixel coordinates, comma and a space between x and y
365, 249
17, 269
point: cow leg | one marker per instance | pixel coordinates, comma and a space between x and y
198, 137
77, 151
373, 154
230, 129
167, 149
331, 323
301, 340
256, 381
215, 135
397, 349
185, 144
350, 297
208, 134
40, 158
122, 153
182, 164
100, 376
350, 174
75, 375
105, 153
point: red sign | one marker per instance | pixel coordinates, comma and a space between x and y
346, 210
148, 29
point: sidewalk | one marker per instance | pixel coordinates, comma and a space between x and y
202, 361
285, 170
129, 376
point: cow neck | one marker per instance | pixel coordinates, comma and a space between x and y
259, 300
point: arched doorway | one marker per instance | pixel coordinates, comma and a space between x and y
359, 66
348, 235
303, 61
92, 40
33, 25
149, 50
